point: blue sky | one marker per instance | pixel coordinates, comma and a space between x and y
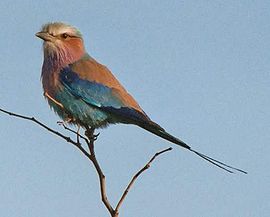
198, 68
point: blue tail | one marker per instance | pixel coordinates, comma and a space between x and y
159, 131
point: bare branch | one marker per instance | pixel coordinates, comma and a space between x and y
90, 138
102, 181
136, 176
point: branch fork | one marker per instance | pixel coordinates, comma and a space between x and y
90, 139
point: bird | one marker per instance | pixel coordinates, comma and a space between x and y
84, 92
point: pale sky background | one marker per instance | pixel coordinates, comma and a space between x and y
198, 68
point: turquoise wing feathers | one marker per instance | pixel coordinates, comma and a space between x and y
92, 93
103, 99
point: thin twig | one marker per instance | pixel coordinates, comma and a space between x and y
102, 181
136, 176
68, 139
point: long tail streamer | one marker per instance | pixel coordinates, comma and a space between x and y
218, 163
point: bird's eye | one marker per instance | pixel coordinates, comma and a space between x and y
65, 35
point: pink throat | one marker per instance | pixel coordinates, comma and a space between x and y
54, 61
59, 58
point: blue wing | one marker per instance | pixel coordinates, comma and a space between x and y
100, 97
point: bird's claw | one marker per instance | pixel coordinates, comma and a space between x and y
95, 136
91, 136
60, 123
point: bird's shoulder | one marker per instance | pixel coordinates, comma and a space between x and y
87, 68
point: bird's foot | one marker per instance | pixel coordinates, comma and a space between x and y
90, 134
63, 123
95, 136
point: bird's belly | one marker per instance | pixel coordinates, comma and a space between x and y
77, 111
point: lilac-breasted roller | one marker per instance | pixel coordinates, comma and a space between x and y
85, 92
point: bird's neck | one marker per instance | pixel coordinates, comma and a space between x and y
53, 63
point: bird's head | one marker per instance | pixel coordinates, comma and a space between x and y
62, 42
